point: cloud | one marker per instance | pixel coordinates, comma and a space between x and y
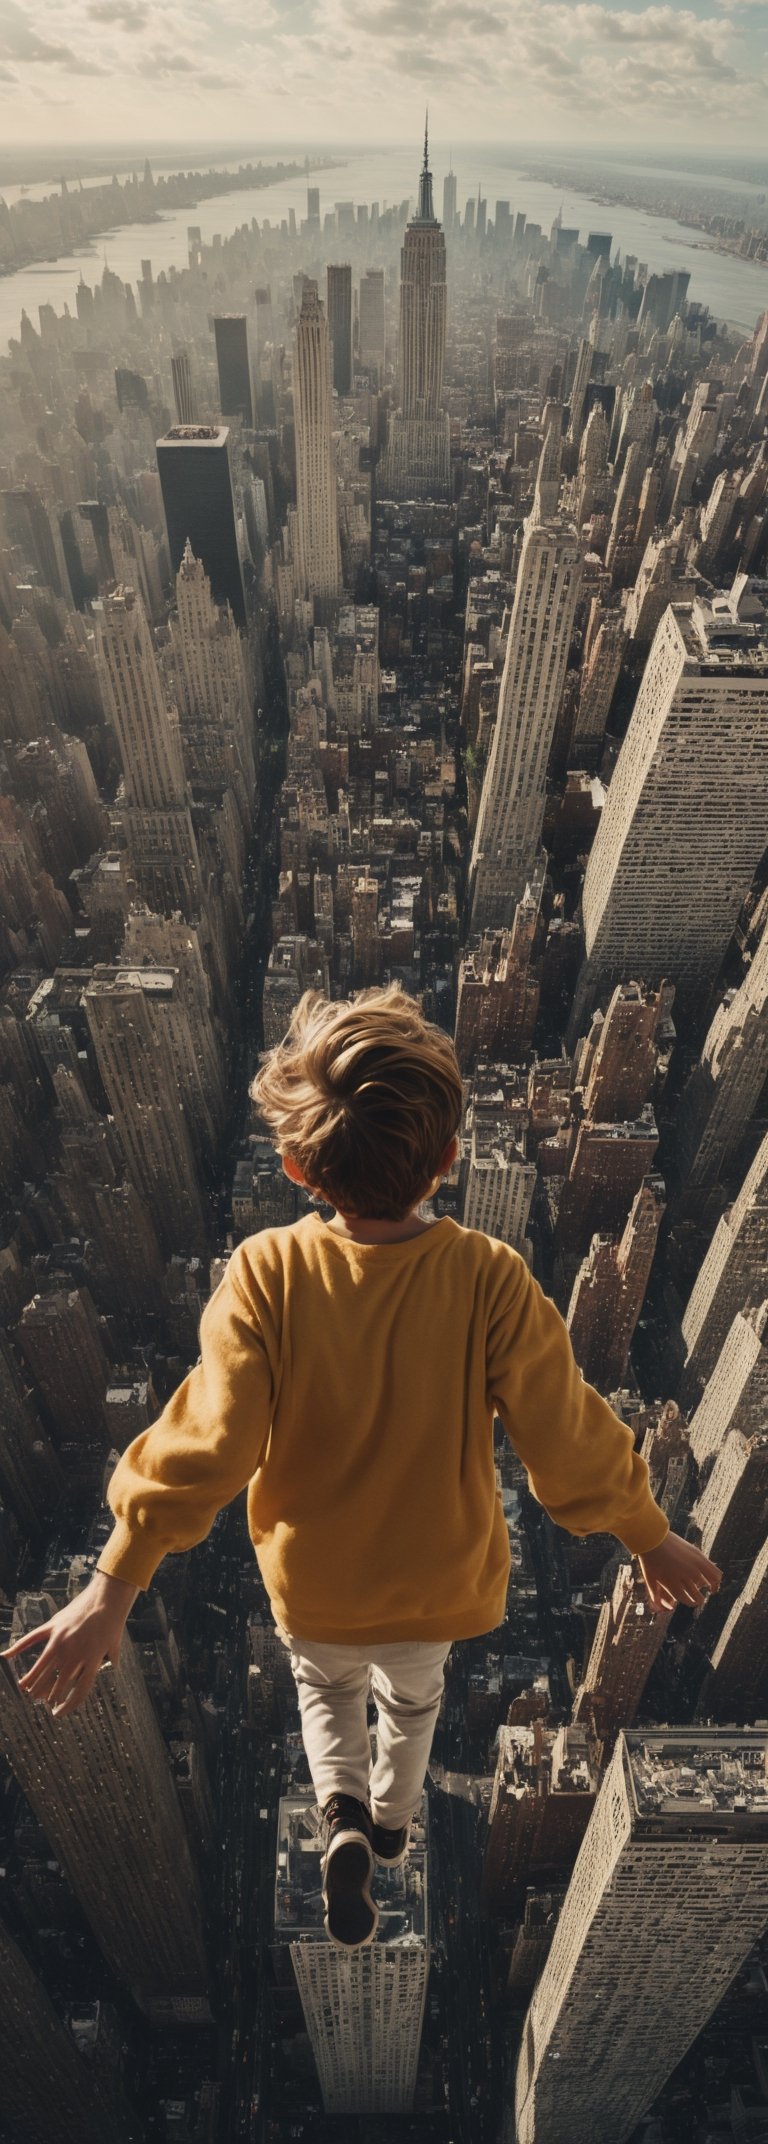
18, 40
126, 14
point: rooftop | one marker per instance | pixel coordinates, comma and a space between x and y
401, 1894
690, 1775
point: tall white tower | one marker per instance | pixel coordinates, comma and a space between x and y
319, 550
683, 828
673, 1868
364, 2009
511, 815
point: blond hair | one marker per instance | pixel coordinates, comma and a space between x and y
364, 1095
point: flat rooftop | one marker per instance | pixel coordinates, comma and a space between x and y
687, 1775
401, 1894
195, 435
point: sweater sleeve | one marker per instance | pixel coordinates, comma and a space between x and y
581, 1461
171, 1482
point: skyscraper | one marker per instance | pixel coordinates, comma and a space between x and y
683, 827
196, 483
511, 815
183, 388
372, 318
155, 812
363, 2011
450, 184
130, 1014
317, 513
725, 1086
234, 366
628, 1637
339, 285
731, 1279
100, 1784
674, 1867
417, 461
212, 689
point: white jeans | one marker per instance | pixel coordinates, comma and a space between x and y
406, 1683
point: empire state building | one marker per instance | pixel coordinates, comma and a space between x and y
417, 460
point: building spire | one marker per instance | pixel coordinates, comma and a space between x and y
425, 212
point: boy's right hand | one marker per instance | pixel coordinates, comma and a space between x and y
678, 1571
76, 1641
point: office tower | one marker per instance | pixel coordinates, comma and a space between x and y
734, 1396
212, 690
731, 1514
542, 1799
673, 1869
593, 483
196, 483
666, 1448
317, 513
62, 1339
547, 490
597, 685
725, 1087
100, 1784
363, 2011
373, 337
731, 1279
614, 1066
234, 366
606, 1169
126, 1011
578, 398
502, 223
508, 832
497, 1179
417, 460
49, 2087
295, 964
737, 1687
339, 314
31, 1479
155, 811
184, 389
450, 184
628, 1637
609, 1291
499, 987
313, 206
683, 826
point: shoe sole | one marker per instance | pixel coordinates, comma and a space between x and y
351, 1914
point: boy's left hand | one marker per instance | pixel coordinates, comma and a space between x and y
677, 1571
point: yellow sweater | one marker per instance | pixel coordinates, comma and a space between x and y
353, 1388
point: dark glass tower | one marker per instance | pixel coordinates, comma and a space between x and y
340, 325
196, 483
232, 358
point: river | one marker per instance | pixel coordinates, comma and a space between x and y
735, 290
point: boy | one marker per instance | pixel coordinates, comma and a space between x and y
350, 1372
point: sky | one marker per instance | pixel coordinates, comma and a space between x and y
339, 72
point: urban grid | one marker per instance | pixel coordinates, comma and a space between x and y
384, 595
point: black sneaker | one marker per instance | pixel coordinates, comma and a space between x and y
390, 1848
351, 1915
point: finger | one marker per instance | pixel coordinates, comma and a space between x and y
46, 1688
40, 1668
75, 1696
712, 1575
31, 1637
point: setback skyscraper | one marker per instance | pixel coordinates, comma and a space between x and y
417, 461
234, 366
